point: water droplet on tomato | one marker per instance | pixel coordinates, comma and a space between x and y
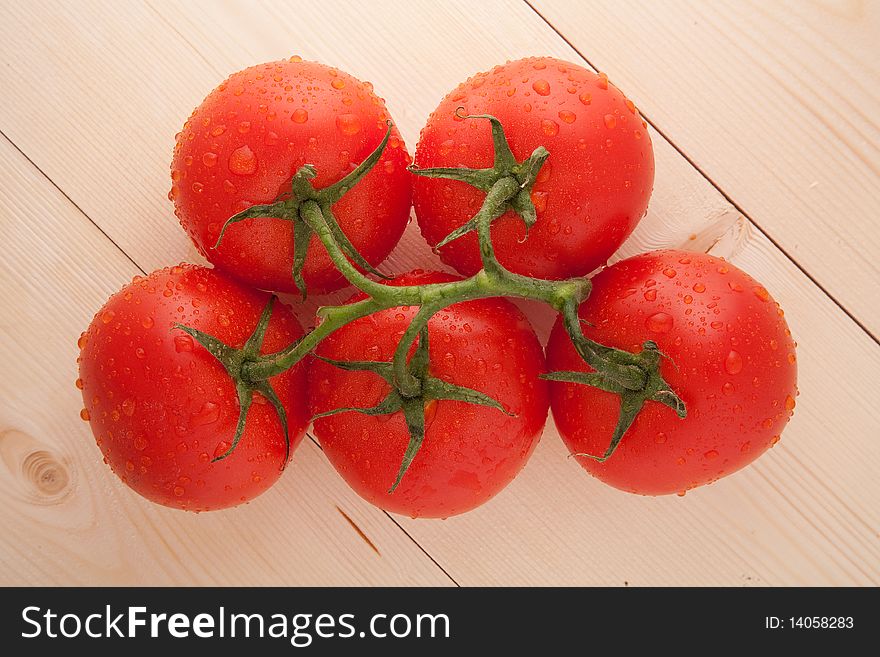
271, 138
586, 98
541, 87
699, 288
207, 414
710, 455
733, 364
549, 127
79, 384
85, 415
660, 438
242, 161
299, 116
179, 491
610, 121
789, 403
183, 343
728, 389
348, 124
128, 407
774, 440
669, 272
209, 159
602, 81
107, 316
338, 83
761, 293
659, 323
567, 116
650, 295
139, 352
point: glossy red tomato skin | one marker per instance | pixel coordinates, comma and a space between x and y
245, 141
591, 192
731, 359
470, 452
161, 407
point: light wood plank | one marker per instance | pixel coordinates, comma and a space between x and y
807, 513
774, 101
66, 518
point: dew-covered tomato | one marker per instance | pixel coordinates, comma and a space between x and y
731, 359
590, 193
470, 452
161, 407
243, 144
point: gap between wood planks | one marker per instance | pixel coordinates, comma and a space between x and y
718, 188
357, 529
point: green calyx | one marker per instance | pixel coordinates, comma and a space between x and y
505, 165
636, 379
233, 360
288, 207
412, 406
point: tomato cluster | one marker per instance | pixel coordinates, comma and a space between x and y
428, 391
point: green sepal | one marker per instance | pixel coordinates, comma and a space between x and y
413, 408
504, 165
287, 208
232, 360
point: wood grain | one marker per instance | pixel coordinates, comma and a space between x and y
807, 513
773, 100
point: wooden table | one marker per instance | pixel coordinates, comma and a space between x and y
768, 153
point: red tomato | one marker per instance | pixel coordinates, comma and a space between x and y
470, 452
731, 359
161, 407
243, 144
590, 193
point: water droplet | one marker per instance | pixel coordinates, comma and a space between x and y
244, 127
650, 295
139, 352
710, 455
669, 272
219, 130
147, 322
681, 493
659, 323
541, 87
242, 161
789, 403
610, 121
129, 465
630, 105
338, 83
761, 293
209, 159
660, 438
549, 127
348, 124
792, 358
107, 316
85, 415
207, 414
586, 98
179, 491
567, 116
602, 82
79, 384
270, 139
699, 288
299, 116
733, 364
140, 443
727, 389
774, 440
128, 407
688, 299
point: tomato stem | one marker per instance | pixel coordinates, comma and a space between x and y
635, 377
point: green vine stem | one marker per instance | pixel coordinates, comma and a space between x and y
634, 377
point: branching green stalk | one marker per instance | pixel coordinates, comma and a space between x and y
635, 377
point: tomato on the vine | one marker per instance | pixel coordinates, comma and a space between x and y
589, 194
470, 452
247, 139
162, 408
728, 354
